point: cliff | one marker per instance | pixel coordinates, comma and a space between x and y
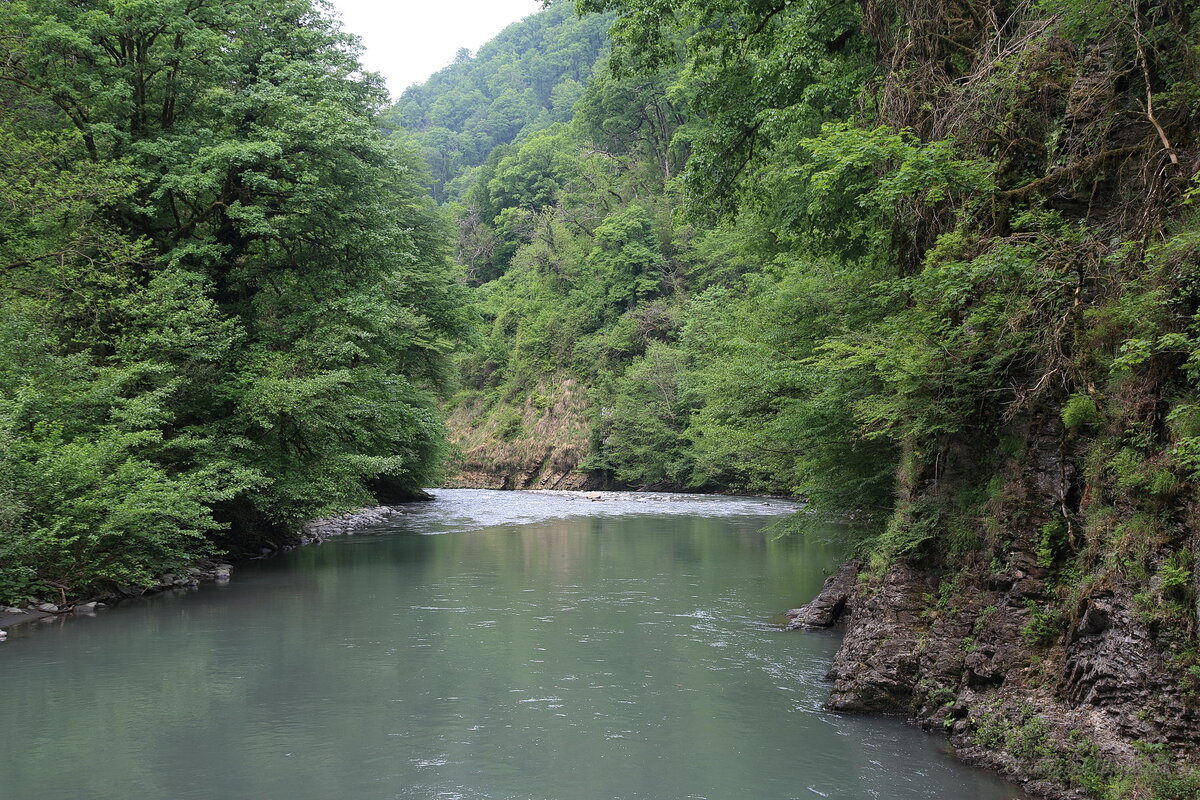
1078, 682
536, 443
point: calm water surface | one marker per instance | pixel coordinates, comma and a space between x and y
516, 646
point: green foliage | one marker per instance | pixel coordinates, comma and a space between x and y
1070, 759
1080, 411
803, 64
626, 257
528, 77
910, 528
1054, 536
227, 300
646, 435
509, 425
1175, 577
839, 189
1045, 624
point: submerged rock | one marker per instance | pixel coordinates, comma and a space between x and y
319, 530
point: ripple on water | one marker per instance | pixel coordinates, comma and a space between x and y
454, 510
617, 650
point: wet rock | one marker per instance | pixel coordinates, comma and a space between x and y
319, 530
1029, 587
1000, 582
11, 610
981, 669
832, 604
87, 607
877, 667
48, 608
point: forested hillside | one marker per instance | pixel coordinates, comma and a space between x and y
928, 266
226, 299
631, 338
525, 79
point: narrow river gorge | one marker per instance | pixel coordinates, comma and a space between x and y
483, 645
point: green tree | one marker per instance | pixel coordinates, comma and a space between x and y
229, 297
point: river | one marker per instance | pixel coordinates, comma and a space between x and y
503, 645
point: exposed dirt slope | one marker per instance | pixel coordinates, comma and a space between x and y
537, 445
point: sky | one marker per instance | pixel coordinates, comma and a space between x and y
406, 41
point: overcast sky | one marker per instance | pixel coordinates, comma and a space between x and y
406, 41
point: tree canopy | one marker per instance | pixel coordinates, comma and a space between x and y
227, 300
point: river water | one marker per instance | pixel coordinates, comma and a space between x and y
506, 645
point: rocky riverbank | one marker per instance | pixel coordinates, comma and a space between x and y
208, 571
1102, 713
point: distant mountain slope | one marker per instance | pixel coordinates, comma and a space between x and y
524, 80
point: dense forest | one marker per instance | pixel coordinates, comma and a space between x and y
227, 297
527, 78
930, 265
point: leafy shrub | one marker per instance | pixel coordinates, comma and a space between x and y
1080, 411
1054, 536
1044, 626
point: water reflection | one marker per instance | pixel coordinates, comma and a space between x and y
582, 656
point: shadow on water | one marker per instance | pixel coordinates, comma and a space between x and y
543, 647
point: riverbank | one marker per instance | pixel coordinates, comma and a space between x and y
206, 571
1102, 714
315, 532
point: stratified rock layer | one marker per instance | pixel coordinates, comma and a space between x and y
973, 667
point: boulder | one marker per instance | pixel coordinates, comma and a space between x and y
832, 604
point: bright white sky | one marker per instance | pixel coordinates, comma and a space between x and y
406, 41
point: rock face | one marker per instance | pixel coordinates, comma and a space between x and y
1061, 680
538, 444
972, 671
877, 666
535, 474
833, 603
